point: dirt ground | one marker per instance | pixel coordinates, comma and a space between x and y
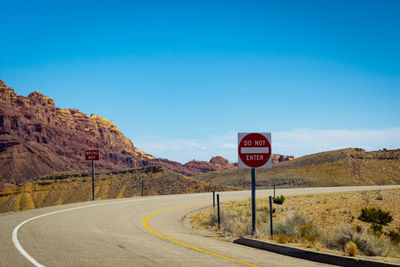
328, 211
326, 215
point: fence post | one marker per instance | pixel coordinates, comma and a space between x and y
214, 199
219, 218
270, 216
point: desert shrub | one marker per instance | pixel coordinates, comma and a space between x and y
203, 224
375, 216
394, 236
343, 235
213, 219
318, 246
200, 219
367, 245
351, 248
376, 229
358, 228
308, 232
379, 195
283, 238
366, 197
364, 242
235, 224
291, 225
278, 200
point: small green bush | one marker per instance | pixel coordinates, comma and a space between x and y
374, 215
278, 200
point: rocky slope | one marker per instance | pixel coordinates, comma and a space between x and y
353, 166
281, 158
37, 138
74, 187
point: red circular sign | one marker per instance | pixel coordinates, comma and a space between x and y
254, 150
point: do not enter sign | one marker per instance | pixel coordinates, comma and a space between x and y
254, 150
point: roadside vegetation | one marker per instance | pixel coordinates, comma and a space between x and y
73, 187
354, 223
278, 200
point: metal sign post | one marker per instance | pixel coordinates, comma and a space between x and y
92, 179
253, 200
92, 155
254, 151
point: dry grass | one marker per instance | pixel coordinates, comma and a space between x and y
235, 218
323, 222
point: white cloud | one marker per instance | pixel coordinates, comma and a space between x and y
184, 150
297, 142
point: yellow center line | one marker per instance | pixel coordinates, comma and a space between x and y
144, 222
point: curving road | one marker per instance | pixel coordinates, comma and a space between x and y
147, 231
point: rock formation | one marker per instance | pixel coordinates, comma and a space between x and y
280, 158
37, 138
215, 164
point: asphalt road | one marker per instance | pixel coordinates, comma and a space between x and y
148, 231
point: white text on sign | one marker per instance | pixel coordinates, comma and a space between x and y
256, 143
254, 157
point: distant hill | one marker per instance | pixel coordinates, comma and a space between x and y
37, 138
352, 166
71, 187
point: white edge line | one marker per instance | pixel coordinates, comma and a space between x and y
15, 231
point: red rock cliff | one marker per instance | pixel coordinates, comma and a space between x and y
37, 138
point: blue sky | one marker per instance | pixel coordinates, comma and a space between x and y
181, 78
